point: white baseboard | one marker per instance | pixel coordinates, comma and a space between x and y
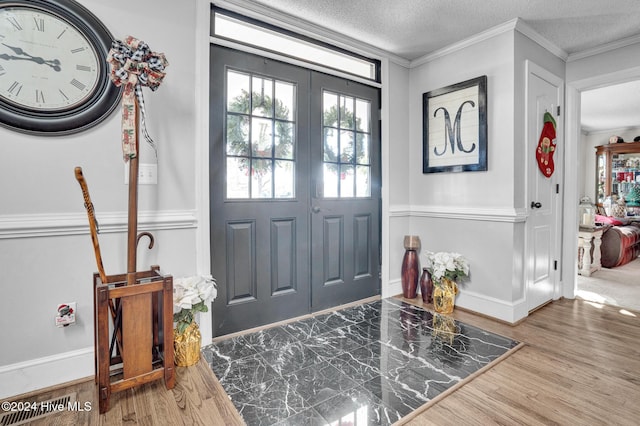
40, 373
510, 312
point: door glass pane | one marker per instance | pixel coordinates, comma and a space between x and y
330, 144
261, 137
285, 100
284, 179
237, 92
363, 112
346, 146
346, 181
347, 150
260, 129
363, 186
346, 112
330, 109
330, 178
284, 139
262, 98
237, 135
363, 144
261, 178
237, 178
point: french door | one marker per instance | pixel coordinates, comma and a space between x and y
295, 190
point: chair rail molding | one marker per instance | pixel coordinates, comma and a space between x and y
485, 214
64, 224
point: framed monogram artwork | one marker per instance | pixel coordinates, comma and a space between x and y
455, 127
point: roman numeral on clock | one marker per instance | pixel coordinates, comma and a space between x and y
39, 96
15, 88
13, 21
66, 98
39, 23
83, 68
77, 50
2, 70
78, 85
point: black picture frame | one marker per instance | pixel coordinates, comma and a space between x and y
455, 127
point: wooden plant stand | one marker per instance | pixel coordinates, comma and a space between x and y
138, 347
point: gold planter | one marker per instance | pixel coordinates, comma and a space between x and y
187, 345
444, 328
444, 296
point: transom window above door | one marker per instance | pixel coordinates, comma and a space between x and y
260, 137
346, 146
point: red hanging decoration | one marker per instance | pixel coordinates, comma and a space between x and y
546, 146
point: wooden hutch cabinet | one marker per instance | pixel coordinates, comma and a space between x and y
617, 169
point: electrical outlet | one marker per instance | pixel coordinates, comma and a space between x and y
66, 314
147, 174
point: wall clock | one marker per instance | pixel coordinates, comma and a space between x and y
54, 77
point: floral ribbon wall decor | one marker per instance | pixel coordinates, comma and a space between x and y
546, 146
134, 65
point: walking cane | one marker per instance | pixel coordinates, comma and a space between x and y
93, 228
93, 224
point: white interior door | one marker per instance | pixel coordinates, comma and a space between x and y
544, 94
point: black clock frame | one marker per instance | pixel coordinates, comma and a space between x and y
104, 98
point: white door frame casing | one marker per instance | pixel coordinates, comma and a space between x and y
532, 69
572, 173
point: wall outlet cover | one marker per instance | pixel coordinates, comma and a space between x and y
66, 314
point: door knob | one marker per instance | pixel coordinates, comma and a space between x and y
315, 209
535, 205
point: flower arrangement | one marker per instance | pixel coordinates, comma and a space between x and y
452, 266
189, 296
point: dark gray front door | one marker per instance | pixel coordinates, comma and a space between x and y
266, 192
345, 204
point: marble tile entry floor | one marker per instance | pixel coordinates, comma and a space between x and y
369, 364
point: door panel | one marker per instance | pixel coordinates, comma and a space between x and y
345, 153
544, 94
259, 190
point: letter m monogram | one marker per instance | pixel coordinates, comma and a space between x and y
452, 134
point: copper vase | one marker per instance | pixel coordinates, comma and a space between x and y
426, 286
410, 267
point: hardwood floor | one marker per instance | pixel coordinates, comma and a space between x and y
580, 365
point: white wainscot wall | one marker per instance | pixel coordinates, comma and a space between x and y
486, 237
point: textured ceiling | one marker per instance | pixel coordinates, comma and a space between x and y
414, 28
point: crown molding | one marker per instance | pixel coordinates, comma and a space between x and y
523, 28
618, 44
516, 24
462, 44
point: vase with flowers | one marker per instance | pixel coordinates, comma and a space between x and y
446, 270
190, 296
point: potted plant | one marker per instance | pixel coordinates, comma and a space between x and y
446, 270
190, 295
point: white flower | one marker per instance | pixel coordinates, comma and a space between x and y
189, 291
446, 265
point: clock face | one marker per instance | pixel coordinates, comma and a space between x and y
46, 64
53, 67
